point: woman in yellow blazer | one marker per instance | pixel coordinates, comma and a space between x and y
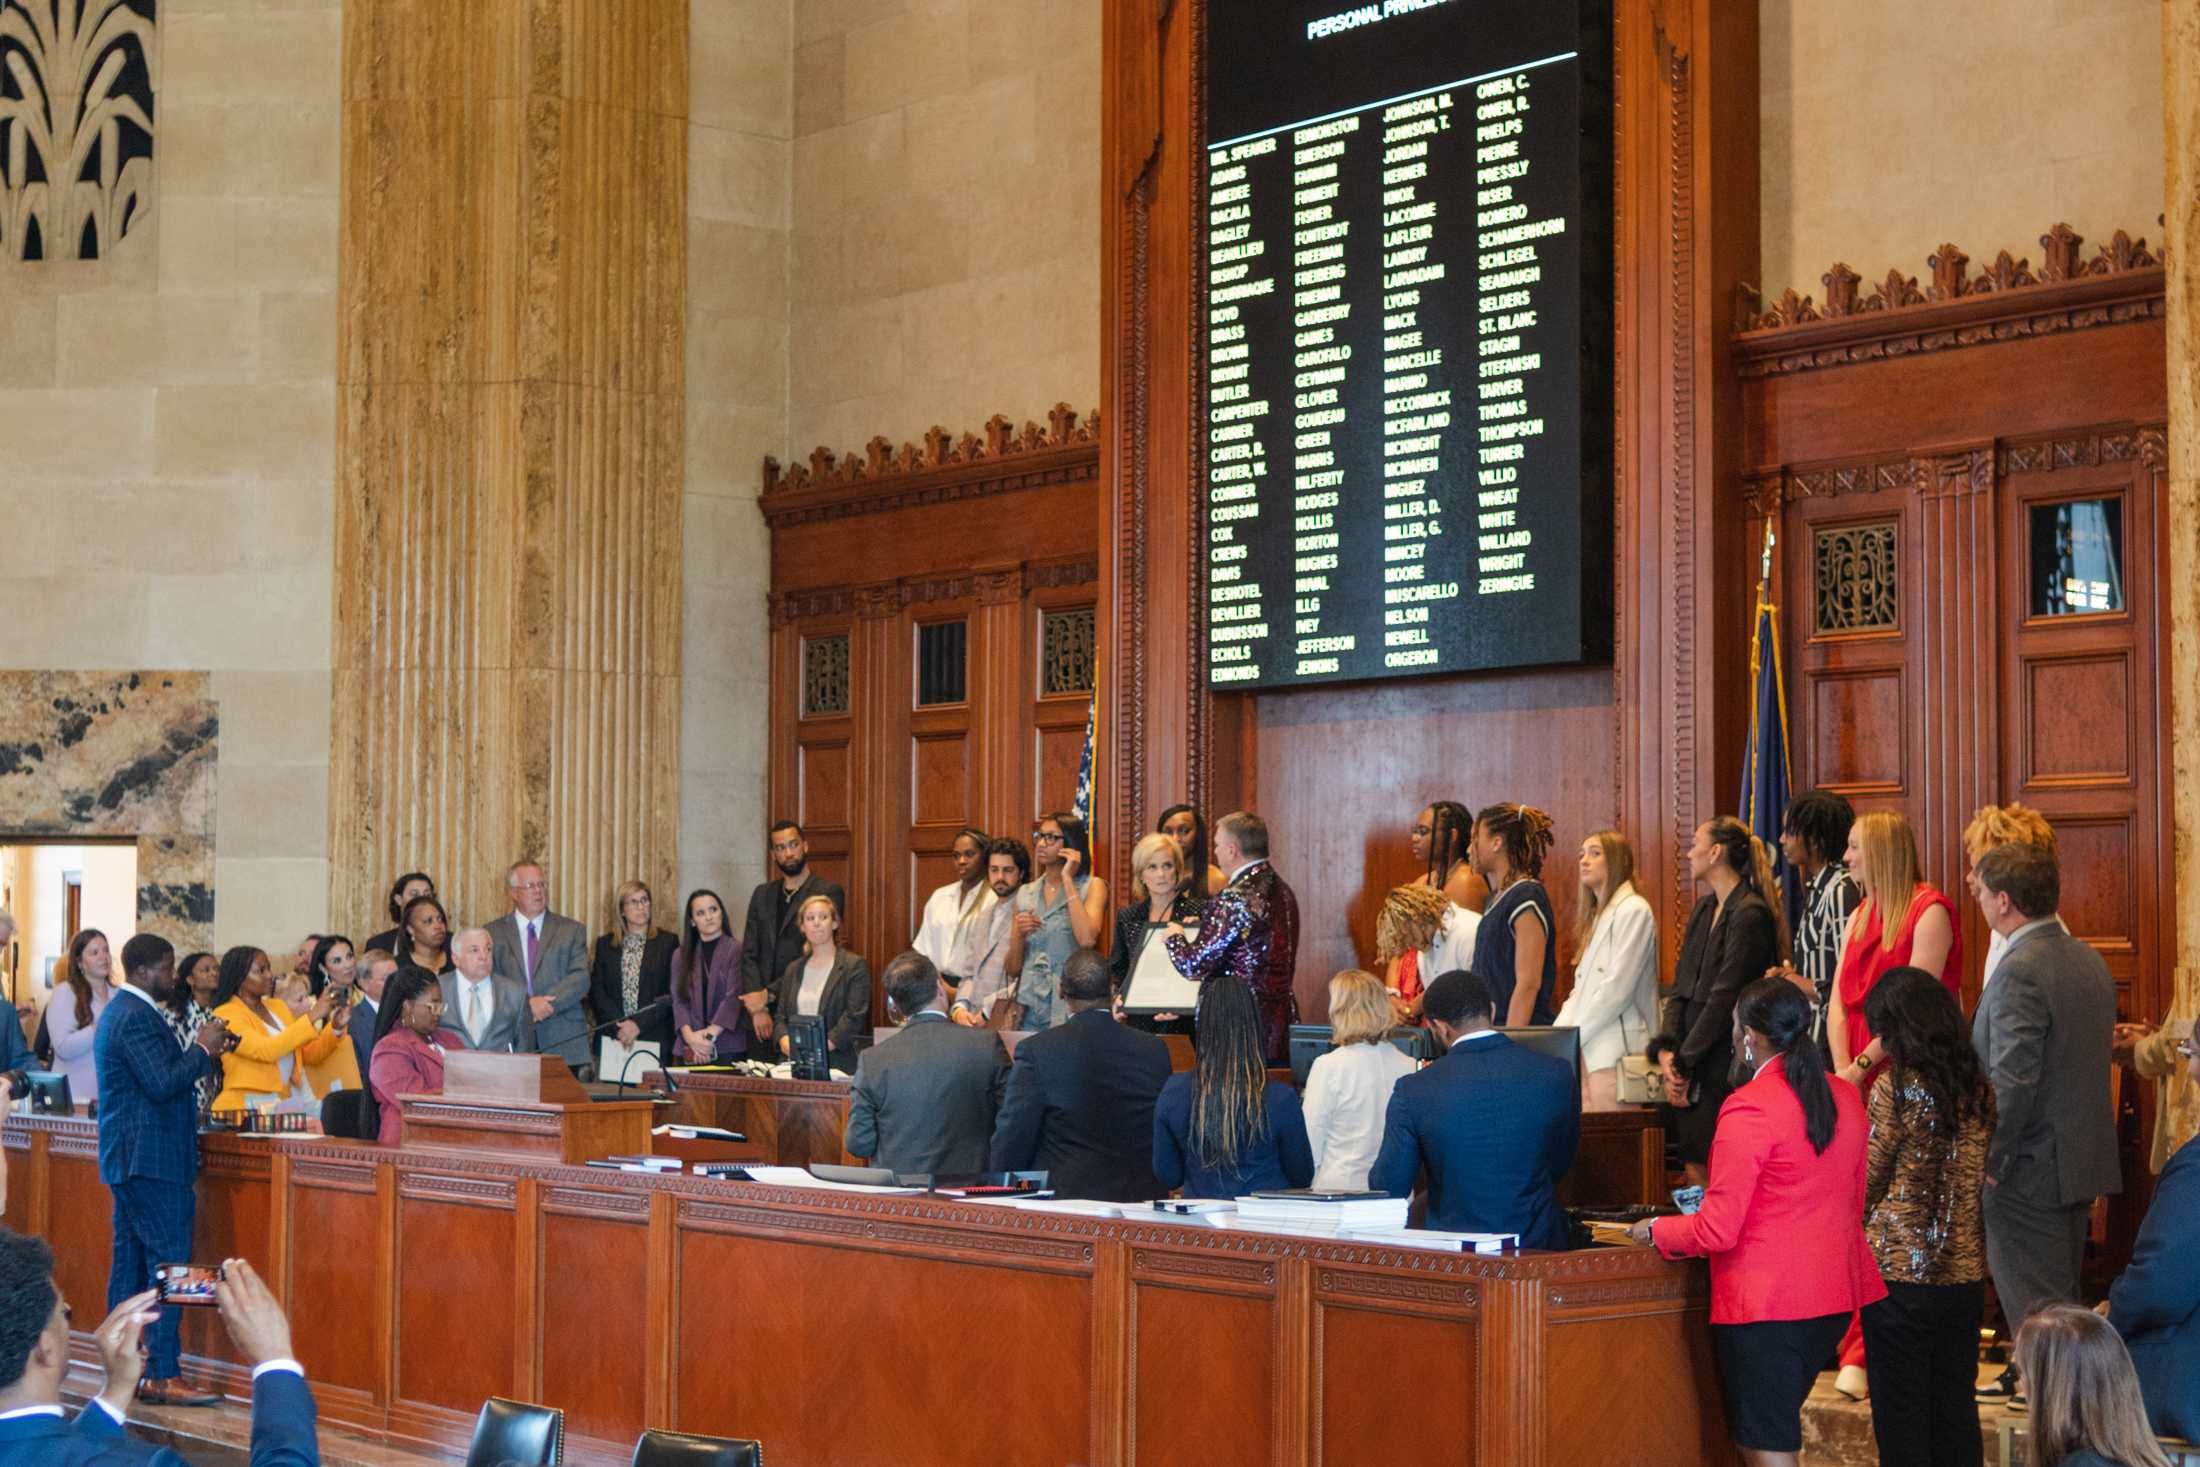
273, 1046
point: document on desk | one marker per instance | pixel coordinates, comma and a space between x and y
1078, 1206
794, 1176
616, 1061
1156, 987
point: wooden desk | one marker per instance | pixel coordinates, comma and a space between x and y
788, 1122
419, 1283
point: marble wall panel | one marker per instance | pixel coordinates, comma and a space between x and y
99, 755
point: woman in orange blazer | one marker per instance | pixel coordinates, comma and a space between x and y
274, 1047
1782, 1222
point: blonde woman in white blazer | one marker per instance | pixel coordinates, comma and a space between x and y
1615, 995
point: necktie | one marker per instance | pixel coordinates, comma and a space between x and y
473, 1011
530, 957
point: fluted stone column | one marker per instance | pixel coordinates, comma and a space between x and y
2181, 135
511, 397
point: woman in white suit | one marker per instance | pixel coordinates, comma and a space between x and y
1615, 995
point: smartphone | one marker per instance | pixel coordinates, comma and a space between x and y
187, 1283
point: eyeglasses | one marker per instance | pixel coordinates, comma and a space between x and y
1053, 836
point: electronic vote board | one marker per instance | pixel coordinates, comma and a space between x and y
1407, 306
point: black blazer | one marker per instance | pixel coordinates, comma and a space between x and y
608, 998
845, 1006
1715, 964
1079, 1105
767, 942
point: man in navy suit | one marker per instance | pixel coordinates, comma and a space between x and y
34, 1357
1495, 1125
149, 1145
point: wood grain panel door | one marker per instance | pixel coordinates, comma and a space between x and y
2082, 705
1852, 616
825, 672
942, 766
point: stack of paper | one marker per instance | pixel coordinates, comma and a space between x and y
1430, 1238
1077, 1205
794, 1176
1338, 1210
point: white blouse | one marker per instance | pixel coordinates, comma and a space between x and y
1347, 1097
944, 915
1615, 996
1453, 946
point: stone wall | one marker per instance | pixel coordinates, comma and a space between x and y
1890, 127
740, 152
946, 214
168, 420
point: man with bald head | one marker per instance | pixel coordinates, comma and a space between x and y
486, 1011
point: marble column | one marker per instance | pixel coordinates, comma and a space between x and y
2181, 256
512, 389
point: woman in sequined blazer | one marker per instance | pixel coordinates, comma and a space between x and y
1931, 1120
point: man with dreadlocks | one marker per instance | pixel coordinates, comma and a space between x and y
1516, 947
1250, 931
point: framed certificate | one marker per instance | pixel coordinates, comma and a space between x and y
1156, 987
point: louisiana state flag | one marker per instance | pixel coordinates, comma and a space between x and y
1081, 807
1765, 767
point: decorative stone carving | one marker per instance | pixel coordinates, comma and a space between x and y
77, 82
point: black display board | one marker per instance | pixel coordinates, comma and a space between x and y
1407, 311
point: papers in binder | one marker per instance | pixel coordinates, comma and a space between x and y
1156, 987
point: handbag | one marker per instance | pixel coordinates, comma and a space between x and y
1006, 1013
1639, 1082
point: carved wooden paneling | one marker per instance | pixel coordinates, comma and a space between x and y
1857, 728
2122, 282
983, 529
2077, 721
511, 384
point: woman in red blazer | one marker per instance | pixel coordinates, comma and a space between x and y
1782, 1222
408, 1052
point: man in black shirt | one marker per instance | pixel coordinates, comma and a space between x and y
771, 940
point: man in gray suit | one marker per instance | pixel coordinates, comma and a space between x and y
2042, 1029
924, 1100
547, 956
486, 1011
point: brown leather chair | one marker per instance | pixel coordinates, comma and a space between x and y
679, 1449
517, 1434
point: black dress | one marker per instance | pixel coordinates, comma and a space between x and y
1133, 930
606, 994
1719, 957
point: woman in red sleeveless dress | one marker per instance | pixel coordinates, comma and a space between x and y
1903, 922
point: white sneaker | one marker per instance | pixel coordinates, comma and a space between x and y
1851, 1382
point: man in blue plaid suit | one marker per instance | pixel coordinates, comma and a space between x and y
149, 1146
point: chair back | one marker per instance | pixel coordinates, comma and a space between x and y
349, 1114
517, 1434
679, 1449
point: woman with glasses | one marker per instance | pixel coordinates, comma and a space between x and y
1056, 914
630, 978
408, 1047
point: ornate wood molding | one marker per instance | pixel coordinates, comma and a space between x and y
884, 598
2124, 281
1970, 469
944, 467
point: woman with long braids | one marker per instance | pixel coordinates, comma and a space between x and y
1781, 1222
1442, 839
1223, 1128
1734, 936
1516, 945
1930, 1121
